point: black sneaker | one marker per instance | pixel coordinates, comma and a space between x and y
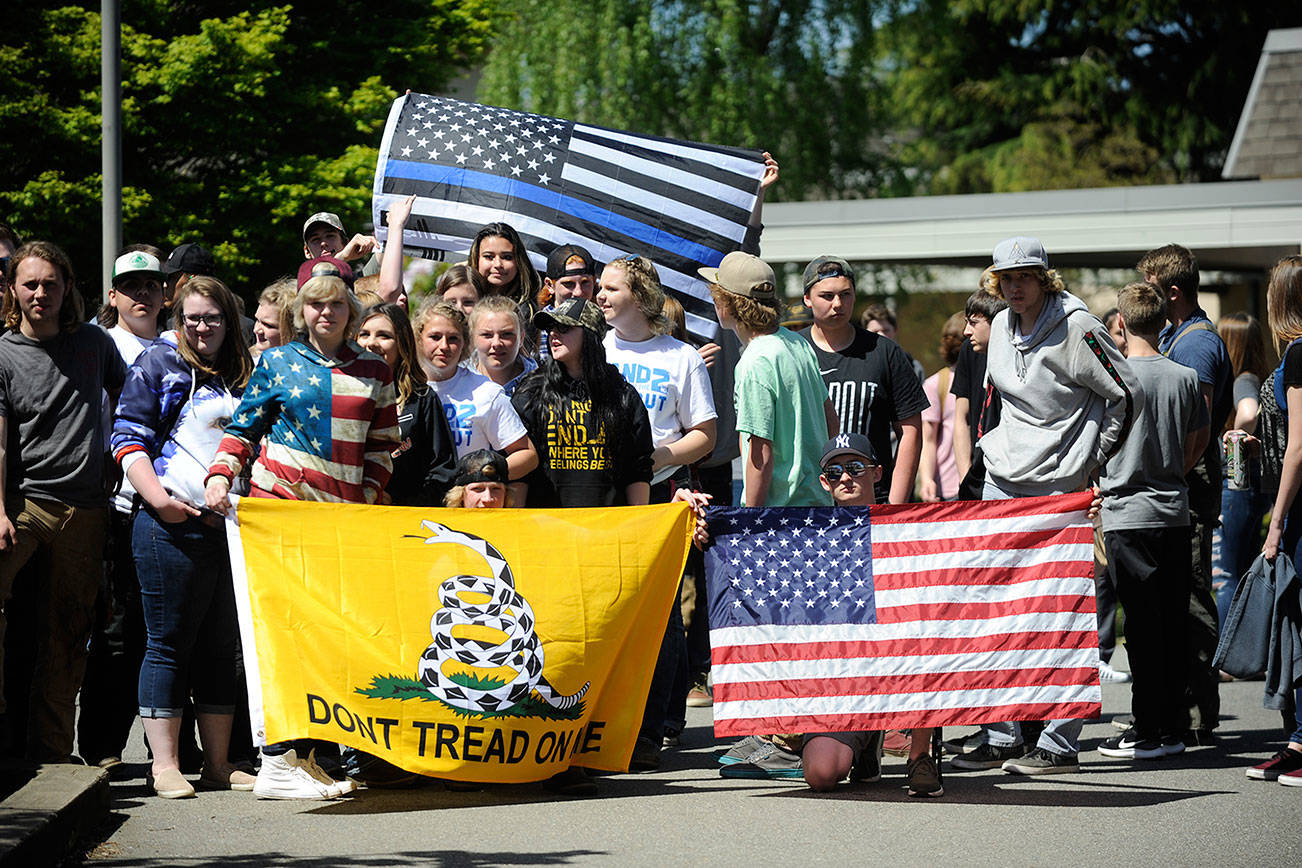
1199, 738
646, 755
1043, 762
574, 781
1172, 745
960, 745
1129, 745
987, 756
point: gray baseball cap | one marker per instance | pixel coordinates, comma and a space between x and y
1021, 251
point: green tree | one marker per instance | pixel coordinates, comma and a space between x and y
1000, 95
240, 117
794, 77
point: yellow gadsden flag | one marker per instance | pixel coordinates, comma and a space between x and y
473, 644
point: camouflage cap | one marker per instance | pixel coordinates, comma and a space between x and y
576, 312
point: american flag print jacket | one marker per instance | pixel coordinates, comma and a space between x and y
327, 426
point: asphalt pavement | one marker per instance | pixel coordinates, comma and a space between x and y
1194, 809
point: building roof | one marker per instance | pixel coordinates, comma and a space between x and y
1229, 225
1268, 141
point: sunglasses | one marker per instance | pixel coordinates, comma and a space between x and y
832, 472
561, 328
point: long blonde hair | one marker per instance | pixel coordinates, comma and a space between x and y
1284, 300
233, 363
644, 283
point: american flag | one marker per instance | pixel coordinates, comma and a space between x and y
683, 205
869, 618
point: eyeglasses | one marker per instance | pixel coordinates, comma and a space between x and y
212, 320
561, 328
832, 472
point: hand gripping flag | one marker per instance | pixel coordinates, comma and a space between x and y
886, 617
681, 204
472, 644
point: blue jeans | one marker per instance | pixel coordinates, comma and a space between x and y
1291, 544
189, 606
1241, 513
1059, 736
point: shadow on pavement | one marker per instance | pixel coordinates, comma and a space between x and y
989, 790
497, 795
438, 858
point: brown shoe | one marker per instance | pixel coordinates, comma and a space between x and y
924, 778
235, 779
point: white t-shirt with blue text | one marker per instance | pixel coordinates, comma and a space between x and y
478, 412
672, 381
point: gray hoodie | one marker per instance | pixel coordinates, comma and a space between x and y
1068, 399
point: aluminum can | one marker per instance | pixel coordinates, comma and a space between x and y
1236, 461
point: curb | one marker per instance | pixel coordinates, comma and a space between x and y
41, 822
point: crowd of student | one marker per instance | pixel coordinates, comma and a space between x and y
579, 388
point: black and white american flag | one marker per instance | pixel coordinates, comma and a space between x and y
683, 205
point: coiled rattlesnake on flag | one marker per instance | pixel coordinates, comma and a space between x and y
506, 611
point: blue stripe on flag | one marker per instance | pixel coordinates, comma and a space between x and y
551, 199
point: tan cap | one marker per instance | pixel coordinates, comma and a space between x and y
329, 219
744, 274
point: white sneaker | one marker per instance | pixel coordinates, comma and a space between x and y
1109, 675
341, 788
285, 777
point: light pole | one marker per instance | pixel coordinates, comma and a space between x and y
111, 135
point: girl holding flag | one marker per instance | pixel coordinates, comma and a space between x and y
179, 394
290, 402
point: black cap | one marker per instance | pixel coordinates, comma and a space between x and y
482, 465
559, 262
848, 444
190, 258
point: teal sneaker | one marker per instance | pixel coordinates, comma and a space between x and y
769, 762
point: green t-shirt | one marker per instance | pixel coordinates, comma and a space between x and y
779, 396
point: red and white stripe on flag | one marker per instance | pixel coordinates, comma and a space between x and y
984, 611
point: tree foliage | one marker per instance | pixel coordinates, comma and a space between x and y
240, 117
795, 77
999, 95
883, 97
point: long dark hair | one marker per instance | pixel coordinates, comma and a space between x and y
526, 284
551, 385
408, 378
